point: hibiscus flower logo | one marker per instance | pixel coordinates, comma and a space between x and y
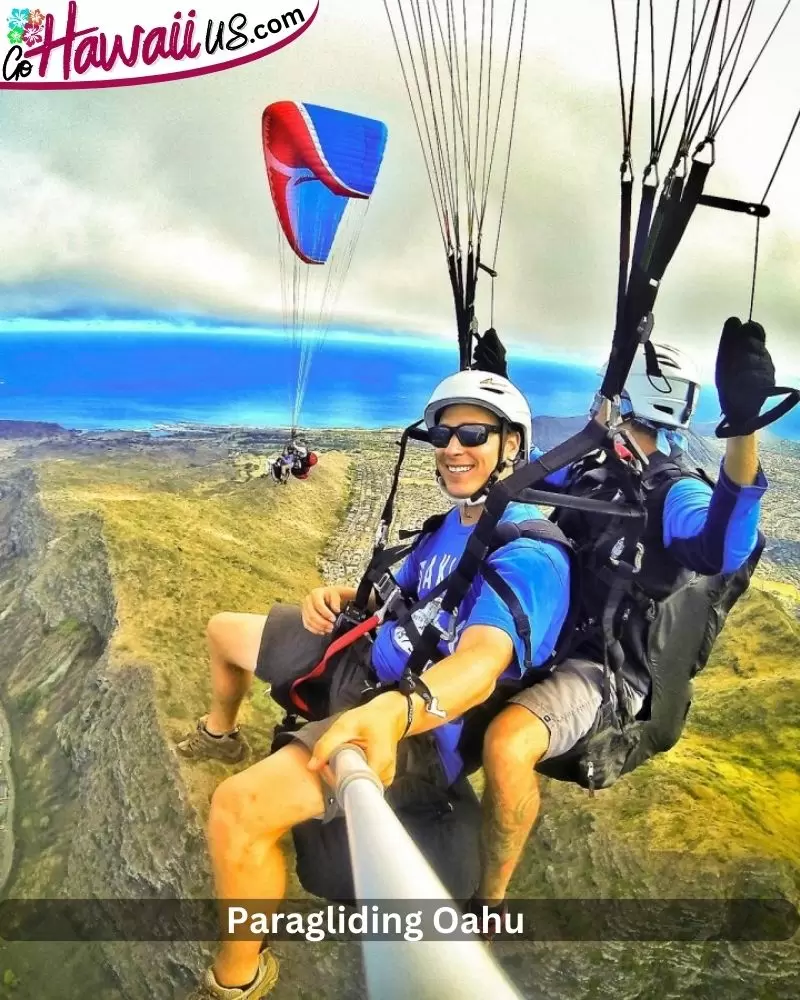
25, 26
32, 34
18, 19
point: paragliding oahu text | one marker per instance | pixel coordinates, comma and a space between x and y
397, 922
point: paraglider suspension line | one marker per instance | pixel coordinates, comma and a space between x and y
778, 165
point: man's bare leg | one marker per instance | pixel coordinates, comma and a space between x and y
514, 743
233, 644
250, 812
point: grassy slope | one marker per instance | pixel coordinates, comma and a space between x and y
736, 770
187, 542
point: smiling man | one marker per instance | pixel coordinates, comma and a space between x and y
480, 427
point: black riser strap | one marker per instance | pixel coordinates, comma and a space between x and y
626, 213
645, 218
673, 232
566, 502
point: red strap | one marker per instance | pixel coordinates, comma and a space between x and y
335, 647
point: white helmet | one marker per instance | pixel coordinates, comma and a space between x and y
492, 392
668, 400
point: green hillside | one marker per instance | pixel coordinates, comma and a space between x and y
185, 542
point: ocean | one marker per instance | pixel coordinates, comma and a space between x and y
139, 381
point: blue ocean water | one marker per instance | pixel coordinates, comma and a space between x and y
136, 381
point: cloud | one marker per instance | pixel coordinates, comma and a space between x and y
155, 197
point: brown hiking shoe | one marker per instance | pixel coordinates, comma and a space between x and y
267, 977
201, 745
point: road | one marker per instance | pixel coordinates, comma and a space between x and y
6, 804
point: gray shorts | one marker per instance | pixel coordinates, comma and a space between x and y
307, 737
568, 703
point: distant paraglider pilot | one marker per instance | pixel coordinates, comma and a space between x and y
304, 460
296, 460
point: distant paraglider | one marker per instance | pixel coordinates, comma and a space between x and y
296, 460
322, 166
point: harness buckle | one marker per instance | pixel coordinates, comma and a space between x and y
381, 535
615, 557
386, 587
348, 618
390, 595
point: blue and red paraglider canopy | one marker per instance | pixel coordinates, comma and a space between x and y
317, 160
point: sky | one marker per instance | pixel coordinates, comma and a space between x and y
153, 199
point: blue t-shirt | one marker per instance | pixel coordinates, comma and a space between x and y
537, 572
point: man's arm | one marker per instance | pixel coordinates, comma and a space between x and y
457, 683
741, 460
716, 531
539, 576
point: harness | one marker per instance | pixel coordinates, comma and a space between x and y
655, 628
393, 604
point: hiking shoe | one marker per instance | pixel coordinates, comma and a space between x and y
267, 977
201, 745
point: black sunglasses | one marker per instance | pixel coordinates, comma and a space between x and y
469, 435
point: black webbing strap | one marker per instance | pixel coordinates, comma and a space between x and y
469, 311
540, 530
757, 211
587, 504
365, 586
675, 209
626, 216
646, 205
510, 599
724, 429
613, 653
457, 284
592, 437
663, 249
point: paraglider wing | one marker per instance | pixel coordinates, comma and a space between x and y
322, 165
317, 159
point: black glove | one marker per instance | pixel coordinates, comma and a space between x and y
490, 355
745, 376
